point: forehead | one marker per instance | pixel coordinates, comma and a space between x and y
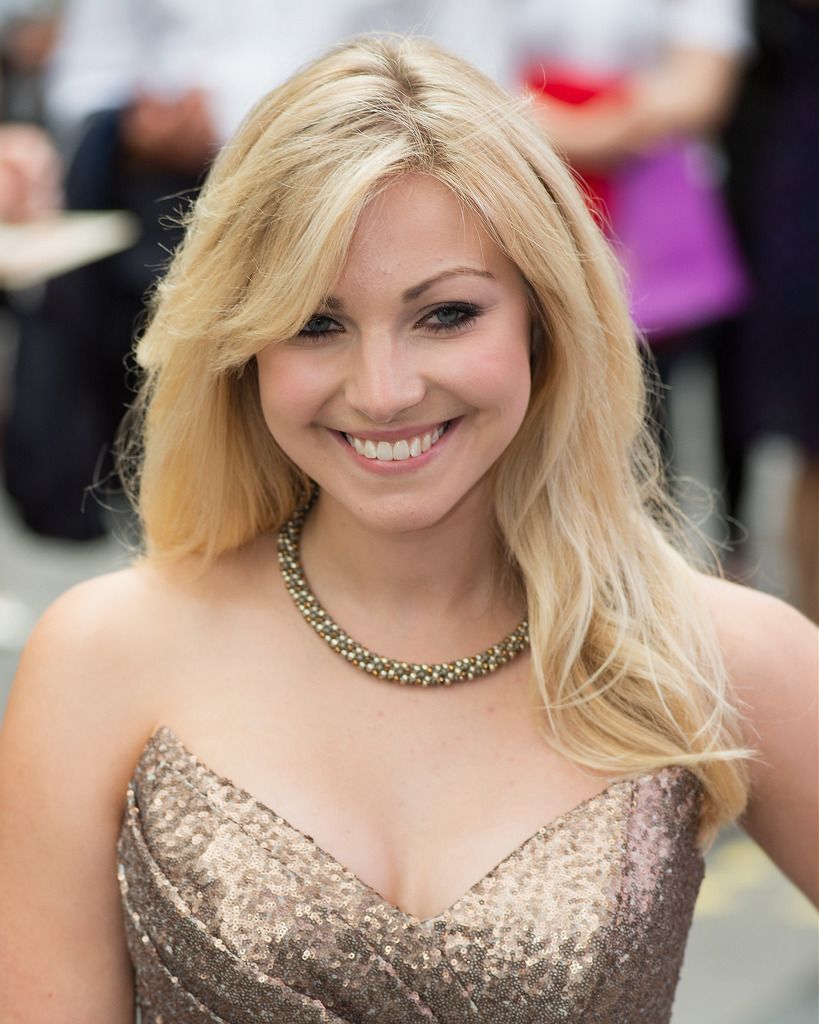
413, 229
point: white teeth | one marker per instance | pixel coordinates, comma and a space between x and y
406, 448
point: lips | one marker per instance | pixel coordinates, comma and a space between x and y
409, 447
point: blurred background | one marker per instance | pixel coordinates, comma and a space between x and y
692, 126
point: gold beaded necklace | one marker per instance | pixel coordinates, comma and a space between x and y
403, 672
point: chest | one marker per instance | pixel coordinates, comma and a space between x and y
418, 791
228, 907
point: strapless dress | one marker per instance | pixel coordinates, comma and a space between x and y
233, 916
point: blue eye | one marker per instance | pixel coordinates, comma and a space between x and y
318, 325
451, 317
448, 315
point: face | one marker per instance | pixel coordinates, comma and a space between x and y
412, 377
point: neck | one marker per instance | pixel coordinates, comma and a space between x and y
451, 570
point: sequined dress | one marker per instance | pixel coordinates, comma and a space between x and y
233, 915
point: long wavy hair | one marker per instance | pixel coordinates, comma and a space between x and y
626, 670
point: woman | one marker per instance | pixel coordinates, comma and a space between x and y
393, 357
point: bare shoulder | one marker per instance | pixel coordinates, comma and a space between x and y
87, 652
65, 746
769, 648
108, 656
771, 654
82, 705
76, 655
749, 620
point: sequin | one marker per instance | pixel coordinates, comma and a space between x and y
232, 915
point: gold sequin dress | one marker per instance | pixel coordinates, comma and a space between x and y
232, 915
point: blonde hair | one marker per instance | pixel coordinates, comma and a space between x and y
626, 666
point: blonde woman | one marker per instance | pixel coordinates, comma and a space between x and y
420, 714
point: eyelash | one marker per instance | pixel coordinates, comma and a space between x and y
469, 314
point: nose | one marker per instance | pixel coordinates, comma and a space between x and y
383, 379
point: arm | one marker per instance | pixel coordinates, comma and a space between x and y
68, 742
690, 93
771, 652
176, 135
103, 56
29, 173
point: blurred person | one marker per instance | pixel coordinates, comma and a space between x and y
30, 168
142, 94
650, 70
393, 356
115, 53
30, 173
28, 30
29, 188
629, 91
769, 366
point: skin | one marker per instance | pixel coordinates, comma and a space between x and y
381, 369
418, 793
690, 93
171, 135
29, 174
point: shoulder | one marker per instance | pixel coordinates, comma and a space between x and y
106, 655
771, 655
769, 648
72, 732
99, 624
77, 689
85, 696
91, 687
87, 672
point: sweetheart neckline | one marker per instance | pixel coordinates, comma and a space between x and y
164, 733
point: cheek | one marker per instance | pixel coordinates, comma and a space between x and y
289, 393
499, 378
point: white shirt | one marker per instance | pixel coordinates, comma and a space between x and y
236, 50
615, 36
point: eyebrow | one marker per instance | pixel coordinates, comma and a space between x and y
417, 290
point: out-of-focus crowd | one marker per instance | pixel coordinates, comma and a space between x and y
692, 125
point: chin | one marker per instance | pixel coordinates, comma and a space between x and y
398, 512
401, 516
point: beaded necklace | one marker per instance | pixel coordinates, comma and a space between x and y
403, 672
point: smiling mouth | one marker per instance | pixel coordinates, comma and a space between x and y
406, 448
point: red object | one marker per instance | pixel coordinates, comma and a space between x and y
573, 88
